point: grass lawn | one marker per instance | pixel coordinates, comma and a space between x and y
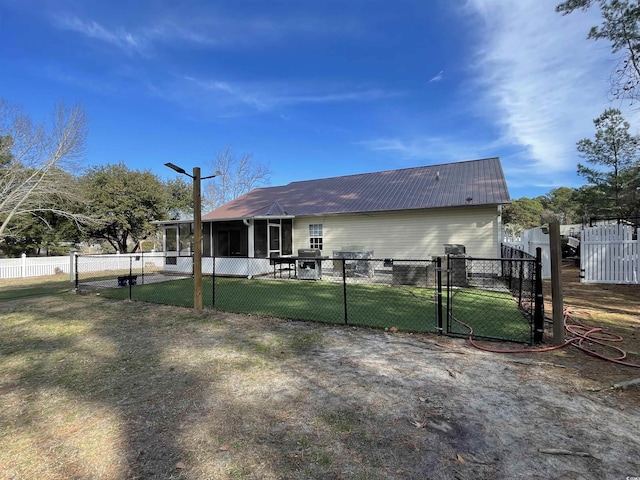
29, 287
492, 314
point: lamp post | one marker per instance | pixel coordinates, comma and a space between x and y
197, 231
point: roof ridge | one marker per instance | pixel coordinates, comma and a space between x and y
398, 189
386, 171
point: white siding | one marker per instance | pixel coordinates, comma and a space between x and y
413, 234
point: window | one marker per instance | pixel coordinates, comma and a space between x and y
315, 236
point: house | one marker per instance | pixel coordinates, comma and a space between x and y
409, 213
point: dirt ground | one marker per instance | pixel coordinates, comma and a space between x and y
614, 308
108, 390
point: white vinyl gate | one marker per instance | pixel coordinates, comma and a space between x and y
608, 254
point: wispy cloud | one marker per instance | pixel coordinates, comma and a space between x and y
520, 175
120, 38
207, 29
270, 96
539, 78
137, 40
437, 77
362, 95
443, 148
225, 93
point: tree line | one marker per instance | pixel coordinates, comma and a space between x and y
612, 169
612, 173
47, 197
49, 200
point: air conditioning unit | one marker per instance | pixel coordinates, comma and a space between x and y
458, 263
454, 249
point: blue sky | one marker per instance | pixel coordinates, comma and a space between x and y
316, 88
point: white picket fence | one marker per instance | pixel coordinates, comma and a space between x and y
529, 241
41, 266
608, 254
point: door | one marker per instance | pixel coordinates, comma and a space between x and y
274, 239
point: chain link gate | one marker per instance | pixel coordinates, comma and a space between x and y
495, 299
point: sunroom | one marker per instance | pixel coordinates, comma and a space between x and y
231, 242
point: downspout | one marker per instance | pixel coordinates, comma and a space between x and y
500, 231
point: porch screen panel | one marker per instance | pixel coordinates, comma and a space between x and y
230, 239
171, 234
260, 247
206, 239
287, 236
185, 239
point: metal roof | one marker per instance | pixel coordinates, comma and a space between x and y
473, 182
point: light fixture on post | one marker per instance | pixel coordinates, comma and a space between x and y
197, 230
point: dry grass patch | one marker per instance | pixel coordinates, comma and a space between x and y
93, 388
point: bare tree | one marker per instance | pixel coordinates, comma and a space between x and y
235, 176
34, 161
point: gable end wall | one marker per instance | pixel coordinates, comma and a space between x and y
414, 234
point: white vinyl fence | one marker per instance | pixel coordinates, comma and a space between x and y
34, 266
529, 241
41, 266
608, 254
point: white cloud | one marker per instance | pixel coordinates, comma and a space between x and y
437, 77
363, 95
206, 29
433, 149
269, 96
119, 38
539, 77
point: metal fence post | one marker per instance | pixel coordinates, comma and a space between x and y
449, 303
344, 291
130, 277
76, 269
521, 278
142, 266
439, 294
213, 282
538, 316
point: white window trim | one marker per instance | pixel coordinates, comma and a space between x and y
314, 238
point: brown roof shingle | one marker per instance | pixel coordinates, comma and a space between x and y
433, 186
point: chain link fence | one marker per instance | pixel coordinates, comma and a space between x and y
496, 298
135, 276
419, 295
366, 292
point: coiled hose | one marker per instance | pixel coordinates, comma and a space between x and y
580, 335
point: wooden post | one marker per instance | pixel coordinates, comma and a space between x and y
197, 241
556, 282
